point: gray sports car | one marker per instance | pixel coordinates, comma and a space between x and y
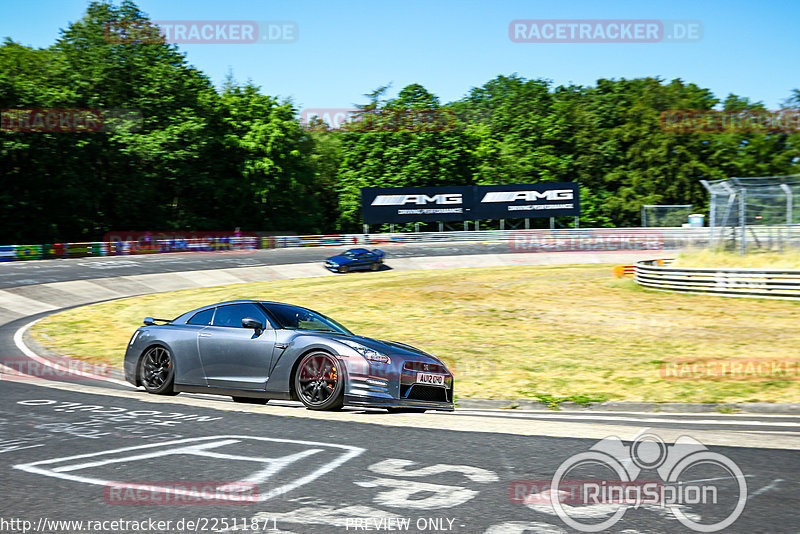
254, 351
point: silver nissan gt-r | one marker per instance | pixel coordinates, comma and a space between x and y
254, 351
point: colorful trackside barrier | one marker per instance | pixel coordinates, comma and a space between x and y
125, 248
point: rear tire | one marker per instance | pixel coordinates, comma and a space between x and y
250, 400
157, 371
375, 266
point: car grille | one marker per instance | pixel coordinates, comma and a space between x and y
425, 367
428, 393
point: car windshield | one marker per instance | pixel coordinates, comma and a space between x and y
349, 254
296, 318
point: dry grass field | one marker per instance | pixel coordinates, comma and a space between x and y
553, 333
757, 260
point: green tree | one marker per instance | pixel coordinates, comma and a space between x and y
273, 187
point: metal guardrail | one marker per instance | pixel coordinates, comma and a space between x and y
753, 283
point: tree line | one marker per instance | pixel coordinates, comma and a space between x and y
207, 158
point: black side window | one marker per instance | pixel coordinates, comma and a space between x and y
202, 318
233, 314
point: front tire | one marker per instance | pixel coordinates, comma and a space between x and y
344, 268
157, 371
318, 382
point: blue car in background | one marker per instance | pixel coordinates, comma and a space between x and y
355, 258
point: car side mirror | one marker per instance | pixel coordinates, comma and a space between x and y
249, 322
149, 321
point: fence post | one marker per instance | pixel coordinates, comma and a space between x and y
712, 213
789, 208
742, 223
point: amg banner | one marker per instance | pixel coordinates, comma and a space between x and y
510, 201
416, 204
468, 203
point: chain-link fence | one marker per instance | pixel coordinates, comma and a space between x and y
754, 213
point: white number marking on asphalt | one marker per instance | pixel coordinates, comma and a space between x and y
396, 467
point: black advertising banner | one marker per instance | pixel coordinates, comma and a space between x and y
511, 201
416, 204
469, 203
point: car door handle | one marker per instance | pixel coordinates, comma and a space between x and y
203, 335
281, 346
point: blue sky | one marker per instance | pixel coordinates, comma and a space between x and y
348, 48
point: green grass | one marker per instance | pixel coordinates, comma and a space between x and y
553, 333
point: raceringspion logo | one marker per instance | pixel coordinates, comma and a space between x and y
591, 491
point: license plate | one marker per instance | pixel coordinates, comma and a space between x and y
430, 379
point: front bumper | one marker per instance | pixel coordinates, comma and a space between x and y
395, 386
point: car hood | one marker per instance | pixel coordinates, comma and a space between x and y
390, 348
396, 348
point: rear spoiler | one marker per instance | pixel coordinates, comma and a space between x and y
150, 321
378, 251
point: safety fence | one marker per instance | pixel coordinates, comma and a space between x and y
538, 240
754, 283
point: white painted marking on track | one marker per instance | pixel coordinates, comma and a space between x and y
399, 493
396, 467
766, 488
20, 343
198, 449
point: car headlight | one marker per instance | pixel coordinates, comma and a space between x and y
133, 338
368, 353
